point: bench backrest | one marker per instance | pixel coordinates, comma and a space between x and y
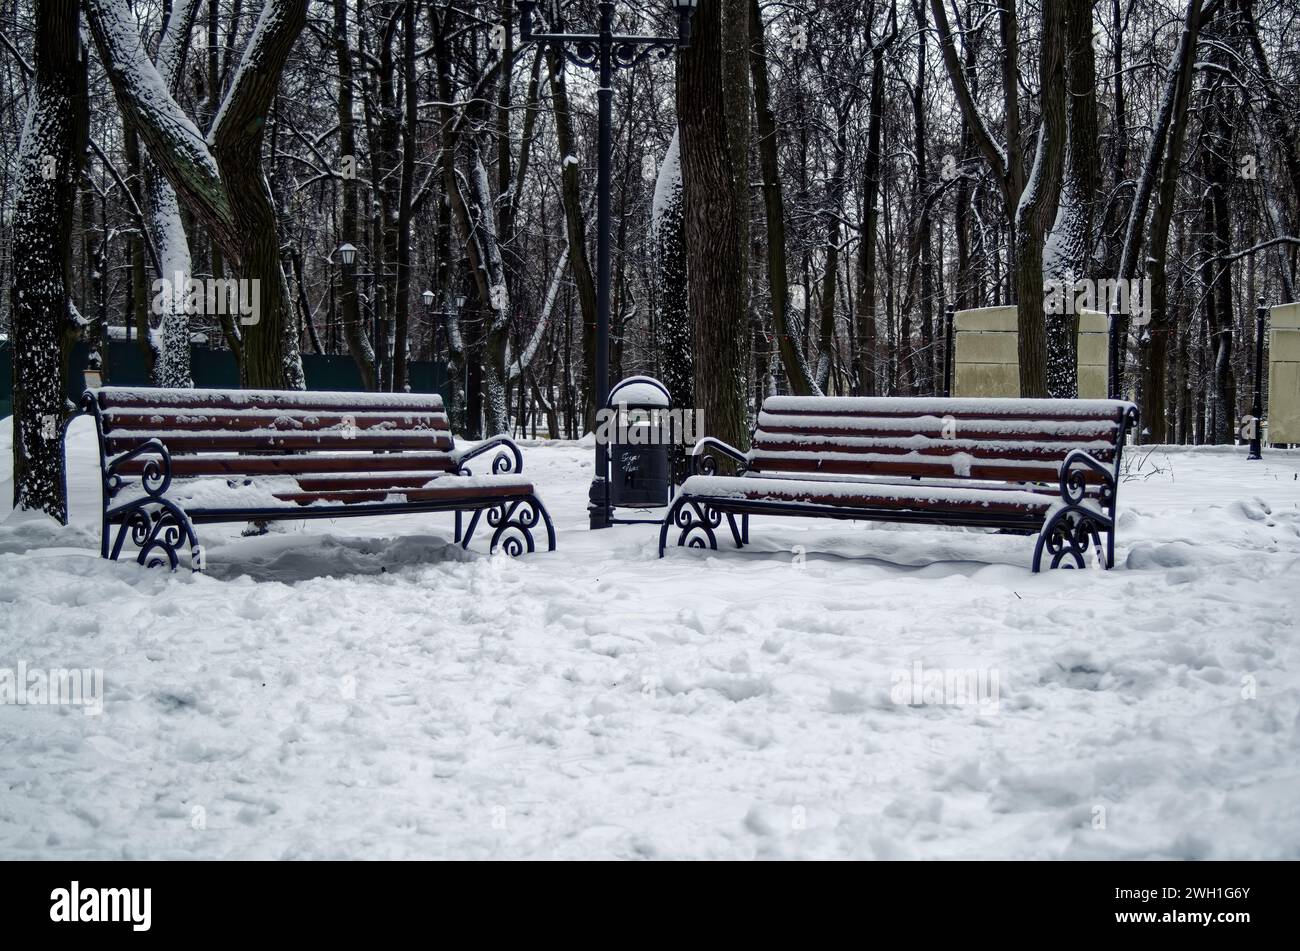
1003, 440
203, 430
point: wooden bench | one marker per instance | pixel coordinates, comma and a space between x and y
172, 459
1049, 467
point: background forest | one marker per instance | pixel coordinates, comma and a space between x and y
798, 197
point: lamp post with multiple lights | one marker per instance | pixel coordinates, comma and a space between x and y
439, 318
605, 51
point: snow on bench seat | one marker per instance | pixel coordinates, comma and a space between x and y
867, 494
207, 495
1050, 466
173, 458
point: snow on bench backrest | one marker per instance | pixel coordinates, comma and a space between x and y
1001, 440
223, 421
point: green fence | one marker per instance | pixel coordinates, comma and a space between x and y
125, 366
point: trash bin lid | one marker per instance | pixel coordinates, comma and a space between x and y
640, 391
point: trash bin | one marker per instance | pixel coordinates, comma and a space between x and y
640, 475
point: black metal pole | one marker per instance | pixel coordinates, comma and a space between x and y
1112, 354
1257, 401
598, 496
604, 51
949, 351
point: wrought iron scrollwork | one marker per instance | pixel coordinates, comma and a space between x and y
704, 457
513, 522
508, 460
1086, 513
159, 529
697, 523
585, 53
627, 55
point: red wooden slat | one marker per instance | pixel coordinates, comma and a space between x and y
173, 420
198, 400
247, 442
1026, 451
982, 413
866, 500
978, 470
433, 493
310, 463
929, 429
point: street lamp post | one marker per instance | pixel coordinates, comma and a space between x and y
605, 51
1257, 398
439, 319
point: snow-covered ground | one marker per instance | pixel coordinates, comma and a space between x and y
365, 688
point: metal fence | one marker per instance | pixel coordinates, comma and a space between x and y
125, 366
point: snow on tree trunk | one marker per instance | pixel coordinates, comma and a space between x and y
494, 357
172, 368
50, 154
220, 178
668, 238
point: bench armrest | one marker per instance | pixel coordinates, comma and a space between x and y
702, 463
155, 478
1074, 485
503, 462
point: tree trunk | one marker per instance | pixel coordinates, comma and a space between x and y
575, 230
1036, 205
673, 316
786, 324
50, 156
1071, 238
353, 333
1154, 367
865, 358
713, 105
221, 179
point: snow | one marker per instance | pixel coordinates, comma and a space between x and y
939, 407
801, 490
925, 422
366, 688
120, 398
668, 184
639, 391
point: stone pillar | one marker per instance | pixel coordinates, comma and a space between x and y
1284, 375
986, 361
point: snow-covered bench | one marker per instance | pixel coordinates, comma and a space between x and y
1045, 466
172, 459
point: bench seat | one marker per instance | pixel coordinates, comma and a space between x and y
174, 458
1044, 466
891, 496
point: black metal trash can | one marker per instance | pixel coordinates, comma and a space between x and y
640, 475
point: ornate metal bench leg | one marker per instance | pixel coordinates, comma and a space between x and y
735, 532
458, 525
744, 528
158, 528
546, 518
1069, 533
469, 532
1080, 518
670, 518
692, 516
514, 522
